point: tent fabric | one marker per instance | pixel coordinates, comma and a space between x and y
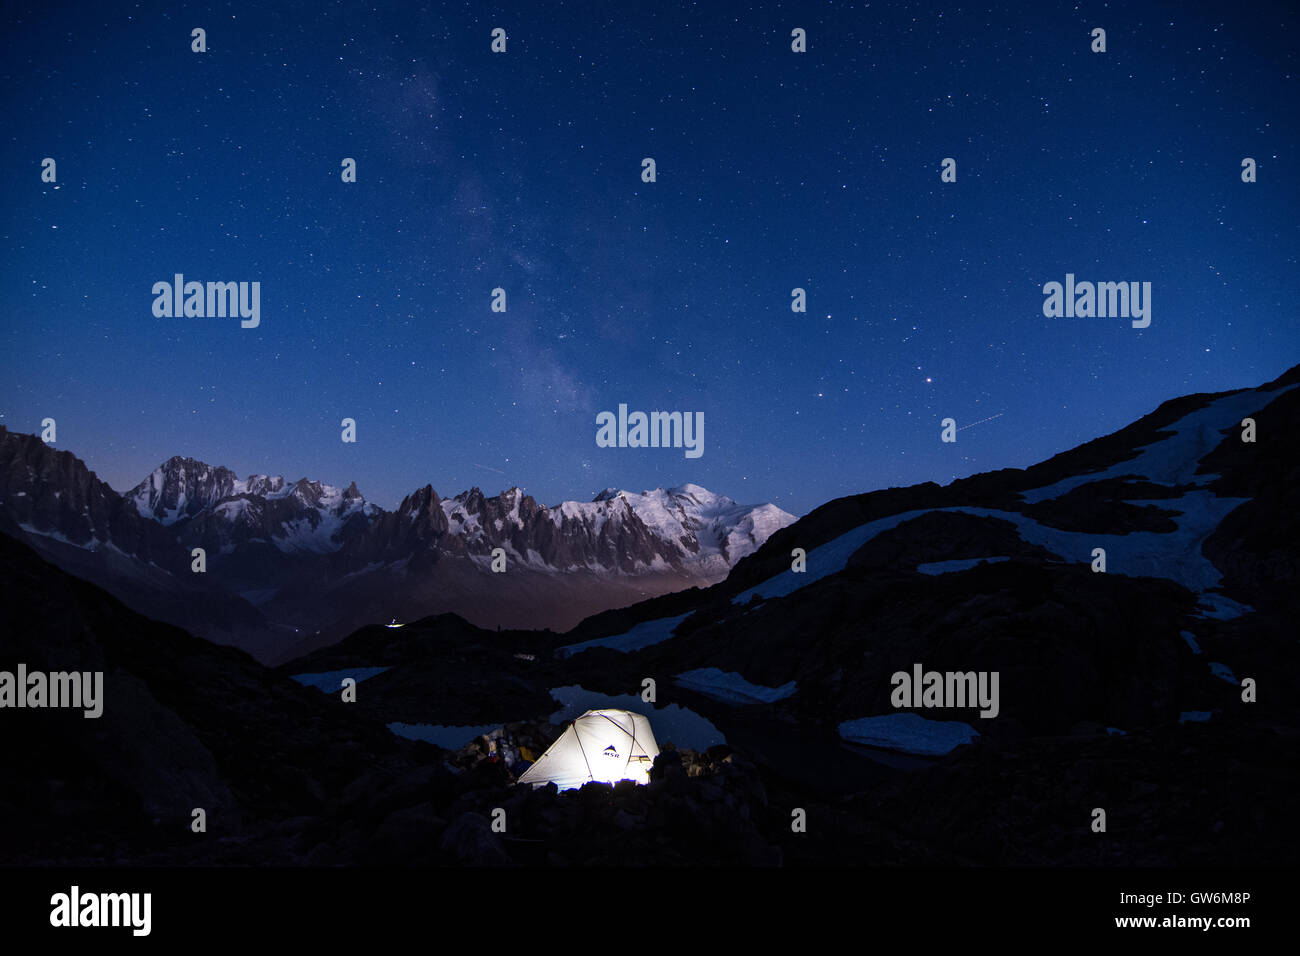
601, 745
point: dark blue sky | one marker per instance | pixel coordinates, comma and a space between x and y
522, 170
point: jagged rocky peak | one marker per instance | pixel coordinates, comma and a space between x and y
264, 485
181, 487
422, 499
352, 493
309, 491
53, 492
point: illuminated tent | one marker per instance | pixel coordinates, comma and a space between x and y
601, 745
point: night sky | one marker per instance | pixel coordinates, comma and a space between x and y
522, 170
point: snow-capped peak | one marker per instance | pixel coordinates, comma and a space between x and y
683, 527
181, 487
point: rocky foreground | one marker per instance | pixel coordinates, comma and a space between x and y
1165, 692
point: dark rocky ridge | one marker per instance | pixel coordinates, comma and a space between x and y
54, 491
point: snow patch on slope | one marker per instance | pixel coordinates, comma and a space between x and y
645, 634
1175, 555
1223, 672
1174, 460
958, 564
909, 733
828, 559
732, 688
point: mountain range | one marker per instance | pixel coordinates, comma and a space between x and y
295, 565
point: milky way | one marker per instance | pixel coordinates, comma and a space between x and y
522, 170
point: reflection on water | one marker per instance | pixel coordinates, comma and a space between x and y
449, 738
